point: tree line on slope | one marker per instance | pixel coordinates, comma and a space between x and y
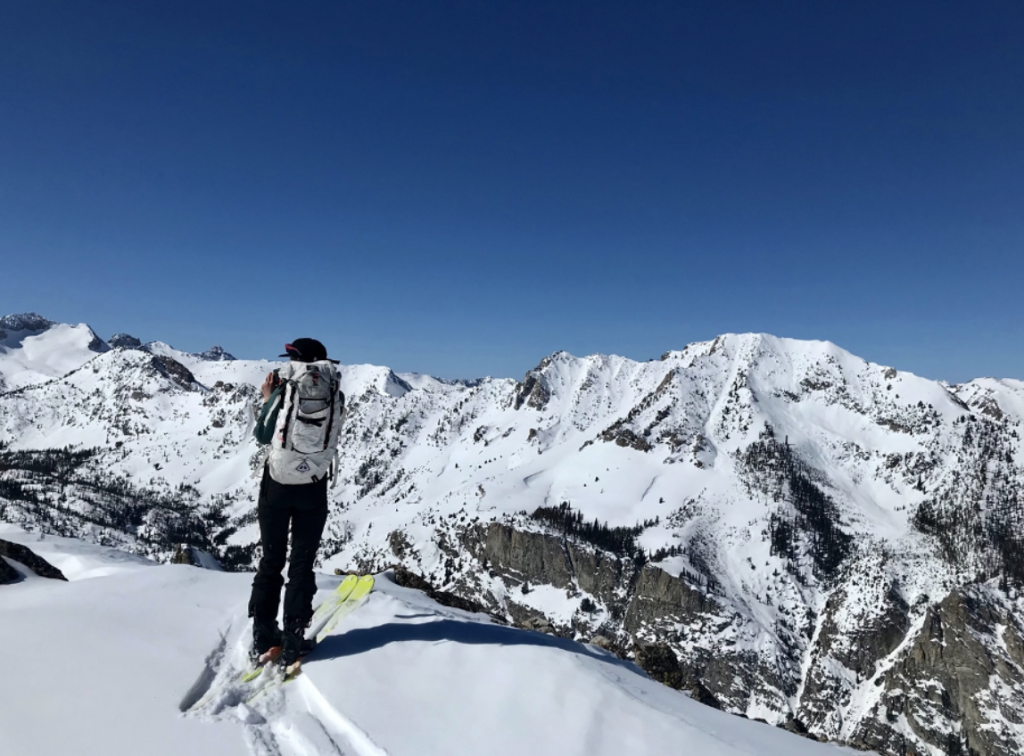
976, 514
65, 491
807, 516
620, 541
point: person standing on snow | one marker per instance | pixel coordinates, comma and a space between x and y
301, 420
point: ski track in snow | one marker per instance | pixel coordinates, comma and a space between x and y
217, 686
278, 719
333, 721
207, 678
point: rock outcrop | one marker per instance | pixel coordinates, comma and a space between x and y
959, 681
409, 579
215, 354
7, 573
124, 341
659, 661
953, 671
185, 554
30, 559
175, 371
27, 321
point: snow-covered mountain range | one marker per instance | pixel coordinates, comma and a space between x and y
820, 542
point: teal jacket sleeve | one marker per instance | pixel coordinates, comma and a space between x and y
268, 416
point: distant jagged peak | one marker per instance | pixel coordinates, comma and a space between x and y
26, 321
433, 384
124, 341
14, 329
215, 354
157, 347
555, 358
752, 351
395, 385
763, 363
358, 379
738, 354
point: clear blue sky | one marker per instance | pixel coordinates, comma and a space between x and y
464, 187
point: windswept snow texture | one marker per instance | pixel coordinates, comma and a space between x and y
145, 659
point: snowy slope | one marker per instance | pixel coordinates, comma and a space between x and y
116, 665
34, 349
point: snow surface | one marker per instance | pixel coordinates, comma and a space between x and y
144, 658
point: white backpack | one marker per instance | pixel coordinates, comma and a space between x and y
305, 444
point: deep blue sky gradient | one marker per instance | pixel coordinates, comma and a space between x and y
462, 188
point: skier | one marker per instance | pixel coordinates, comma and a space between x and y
301, 419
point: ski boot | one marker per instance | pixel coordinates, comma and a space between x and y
294, 646
267, 639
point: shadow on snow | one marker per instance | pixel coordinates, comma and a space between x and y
367, 639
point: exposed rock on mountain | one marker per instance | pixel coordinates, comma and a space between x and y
215, 354
7, 573
959, 682
174, 370
30, 559
28, 321
408, 579
190, 555
124, 341
660, 662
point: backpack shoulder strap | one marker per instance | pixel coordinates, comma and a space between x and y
330, 414
288, 401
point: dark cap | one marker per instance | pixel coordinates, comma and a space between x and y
306, 350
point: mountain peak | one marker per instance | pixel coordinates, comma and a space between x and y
26, 321
124, 341
215, 354
16, 328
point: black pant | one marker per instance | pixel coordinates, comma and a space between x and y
304, 507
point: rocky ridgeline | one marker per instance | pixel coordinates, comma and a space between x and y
28, 321
779, 528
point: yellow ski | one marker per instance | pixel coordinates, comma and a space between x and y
321, 616
355, 599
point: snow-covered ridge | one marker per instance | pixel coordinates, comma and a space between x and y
34, 349
403, 676
804, 517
